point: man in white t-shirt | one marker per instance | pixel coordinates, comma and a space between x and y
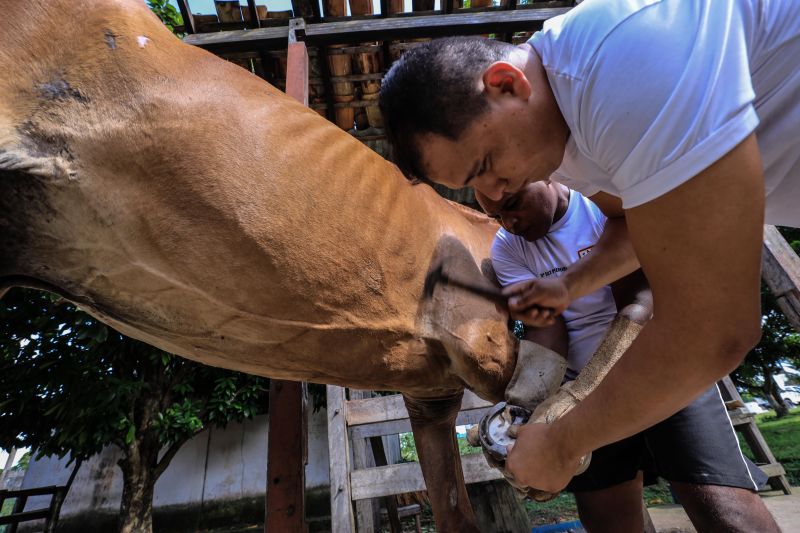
546, 229
679, 118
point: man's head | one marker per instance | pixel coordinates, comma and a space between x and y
473, 112
531, 211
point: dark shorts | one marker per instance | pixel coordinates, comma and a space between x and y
696, 445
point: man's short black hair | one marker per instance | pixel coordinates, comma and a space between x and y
433, 88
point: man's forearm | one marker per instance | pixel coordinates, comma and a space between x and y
610, 259
633, 397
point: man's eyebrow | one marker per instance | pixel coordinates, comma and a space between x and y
472, 173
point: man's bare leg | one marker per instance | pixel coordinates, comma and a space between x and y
728, 509
616, 509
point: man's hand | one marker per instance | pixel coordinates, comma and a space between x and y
538, 459
538, 301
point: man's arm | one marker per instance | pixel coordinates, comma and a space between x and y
700, 248
612, 258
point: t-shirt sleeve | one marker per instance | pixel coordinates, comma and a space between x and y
596, 218
508, 260
655, 109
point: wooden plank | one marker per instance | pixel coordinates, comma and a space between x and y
297, 72
773, 469
36, 491
740, 417
407, 477
763, 454
286, 458
390, 502
385, 408
362, 458
394, 427
339, 456
188, 19
380, 29
27, 516
253, 12
780, 268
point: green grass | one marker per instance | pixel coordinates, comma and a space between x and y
560, 509
783, 437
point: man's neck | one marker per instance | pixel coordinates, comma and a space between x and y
563, 202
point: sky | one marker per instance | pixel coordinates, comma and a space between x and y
4, 457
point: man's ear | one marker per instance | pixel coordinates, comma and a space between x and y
503, 78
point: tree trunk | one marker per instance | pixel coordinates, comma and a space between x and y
136, 509
774, 395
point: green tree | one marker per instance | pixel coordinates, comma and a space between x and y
167, 13
71, 385
780, 344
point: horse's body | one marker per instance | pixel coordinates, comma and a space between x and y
191, 205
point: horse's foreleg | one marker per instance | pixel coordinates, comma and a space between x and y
433, 423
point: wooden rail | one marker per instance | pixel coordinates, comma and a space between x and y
379, 29
780, 268
19, 515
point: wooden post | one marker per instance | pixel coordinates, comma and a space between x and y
288, 443
339, 452
297, 62
780, 268
188, 19
286, 458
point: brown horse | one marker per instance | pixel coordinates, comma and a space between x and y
193, 206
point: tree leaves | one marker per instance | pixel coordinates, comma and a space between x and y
70, 384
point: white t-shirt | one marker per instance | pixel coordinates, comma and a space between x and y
515, 259
655, 91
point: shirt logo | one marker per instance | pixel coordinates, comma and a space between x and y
585, 251
552, 271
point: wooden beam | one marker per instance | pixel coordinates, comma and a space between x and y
297, 63
288, 442
407, 477
780, 268
385, 408
188, 19
286, 458
379, 29
393, 427
339, 456
251, 7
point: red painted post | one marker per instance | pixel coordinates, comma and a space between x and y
288, 443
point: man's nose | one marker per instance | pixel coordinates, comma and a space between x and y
491, 186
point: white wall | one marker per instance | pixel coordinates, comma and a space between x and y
217, 464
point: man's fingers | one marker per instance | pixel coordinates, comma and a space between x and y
536, 317
517, 288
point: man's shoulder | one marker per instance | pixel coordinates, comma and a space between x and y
505, 240
568, 43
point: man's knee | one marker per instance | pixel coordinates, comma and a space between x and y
718, 508
616, 509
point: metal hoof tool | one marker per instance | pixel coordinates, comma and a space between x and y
498, 428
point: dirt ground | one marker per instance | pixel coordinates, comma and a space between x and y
785, 509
